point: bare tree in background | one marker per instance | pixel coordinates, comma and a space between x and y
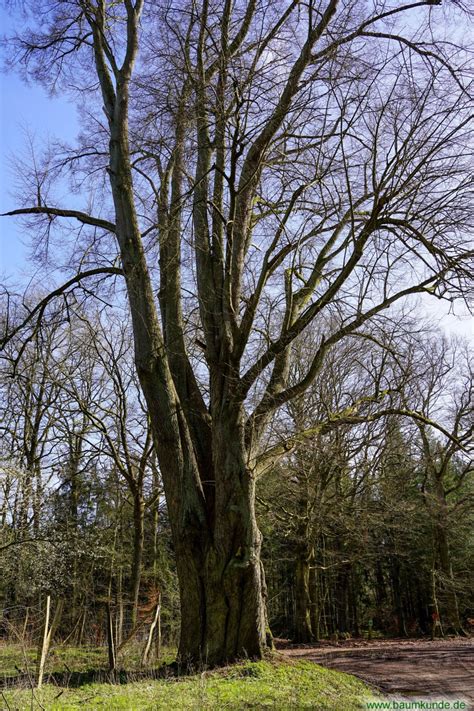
442, 387
260, 165
118, 428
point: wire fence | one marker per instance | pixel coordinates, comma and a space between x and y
49, 641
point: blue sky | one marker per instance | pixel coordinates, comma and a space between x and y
23, 108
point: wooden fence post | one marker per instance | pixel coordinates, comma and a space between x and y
156, 621
25, 624
111, 639
44, 644
48, 634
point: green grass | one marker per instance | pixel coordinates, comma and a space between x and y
250, 685
14, 657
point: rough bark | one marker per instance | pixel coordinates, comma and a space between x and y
221, 582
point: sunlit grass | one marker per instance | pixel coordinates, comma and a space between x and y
16, 658
250, 685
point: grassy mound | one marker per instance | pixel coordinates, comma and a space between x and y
250, 685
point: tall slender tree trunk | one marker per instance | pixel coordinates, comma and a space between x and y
448, 586
138, 543
120, 611
398, 597
25, 501
37, 499
354, 601
303, 627
305, 556
75, 452
316, 603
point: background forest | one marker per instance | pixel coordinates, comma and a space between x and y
367, 527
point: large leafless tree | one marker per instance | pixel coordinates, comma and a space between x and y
260, 165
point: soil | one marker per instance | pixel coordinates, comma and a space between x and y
414, 668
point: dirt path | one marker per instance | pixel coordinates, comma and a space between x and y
415, 668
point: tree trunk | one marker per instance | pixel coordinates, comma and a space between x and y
209, 487
354, 602
398, 598
316, 607
222, 587
222, 611
120, 611
341, 597
303, 627
138, 542
448, 585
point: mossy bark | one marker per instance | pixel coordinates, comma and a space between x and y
219, 567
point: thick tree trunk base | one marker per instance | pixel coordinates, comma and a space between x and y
223, 613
